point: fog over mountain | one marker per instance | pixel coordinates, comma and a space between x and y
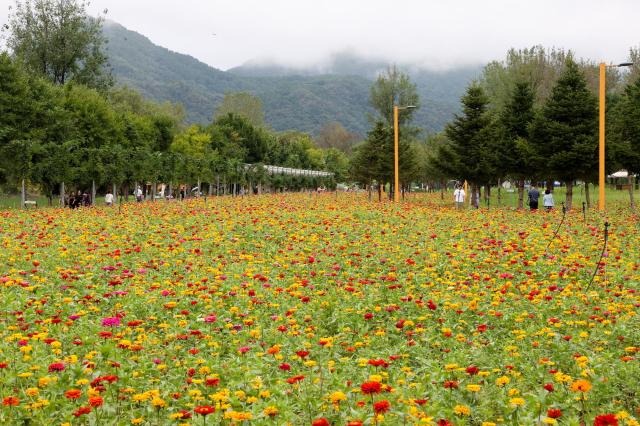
300, 98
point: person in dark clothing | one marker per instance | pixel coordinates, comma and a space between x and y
534, 196
72, 201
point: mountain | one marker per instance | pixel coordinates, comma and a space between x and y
293, 98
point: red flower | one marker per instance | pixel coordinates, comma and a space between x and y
354, 423
368, 316
96, 401
482, 328
294, 379
549, 387
605, 420
204, 409
320, 422
212, 381
370, 387
302, 354
185, 414
56, 366
378, 363
451, 384
420, 401
81, 411
554, 413
10, 401
472, 370
444, 422
73, 394
284, 366
381, 407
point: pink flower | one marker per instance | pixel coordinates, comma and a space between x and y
210, 318
111, 322
244, 349
56, 366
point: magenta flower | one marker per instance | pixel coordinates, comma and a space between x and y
111, 322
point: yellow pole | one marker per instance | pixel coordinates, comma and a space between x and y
466, 190
601, 182
396, 187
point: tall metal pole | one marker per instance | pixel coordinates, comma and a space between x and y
601, 180
396, 188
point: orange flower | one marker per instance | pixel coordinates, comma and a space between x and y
581, 385
10, 401
96, 401
73, 393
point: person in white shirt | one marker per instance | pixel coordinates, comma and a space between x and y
138, 194
458, 197
108, 199
547, 200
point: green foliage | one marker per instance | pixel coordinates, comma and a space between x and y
394, 86
624, 128
244, 105
334, 135
59, 41
515, 155
470, 154
565, 133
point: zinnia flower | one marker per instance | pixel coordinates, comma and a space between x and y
606, 420
381, 407
368, 388
204, 409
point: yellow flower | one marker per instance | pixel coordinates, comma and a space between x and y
336, 397
516, 402
375, 378
158, 402
488, 424
137, 421
462, 410
473, 388
32, 391
501, 381
581, 385
549, 421
270, 411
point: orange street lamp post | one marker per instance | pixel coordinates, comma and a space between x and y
601, 176
396, 168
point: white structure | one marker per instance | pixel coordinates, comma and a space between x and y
277, 170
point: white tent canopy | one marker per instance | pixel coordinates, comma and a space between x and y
619, 174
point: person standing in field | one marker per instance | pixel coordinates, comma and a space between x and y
534, 196
547, 200
108, 199
458, 197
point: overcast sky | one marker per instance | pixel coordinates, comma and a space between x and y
435, 33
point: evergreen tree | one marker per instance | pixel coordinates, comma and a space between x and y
515, 154
565, 133
469, 155
623, 131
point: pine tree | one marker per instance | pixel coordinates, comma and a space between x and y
516, 156
565, 134
470, 154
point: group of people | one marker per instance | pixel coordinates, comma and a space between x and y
534, 197
79, 199
533, 194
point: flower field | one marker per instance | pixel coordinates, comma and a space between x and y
312, 310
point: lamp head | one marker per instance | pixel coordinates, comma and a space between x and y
625, 64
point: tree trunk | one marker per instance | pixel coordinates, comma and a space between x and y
93, 192
198, 190
23, 194
587, 195
115, 194
521, 194
62, 194
499, 193
443, 186
224, 186
370, 191
153, 191
210, 189
170, 191
379, 192
474, 195
126, 192
569, 199
487, 195
631, 182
